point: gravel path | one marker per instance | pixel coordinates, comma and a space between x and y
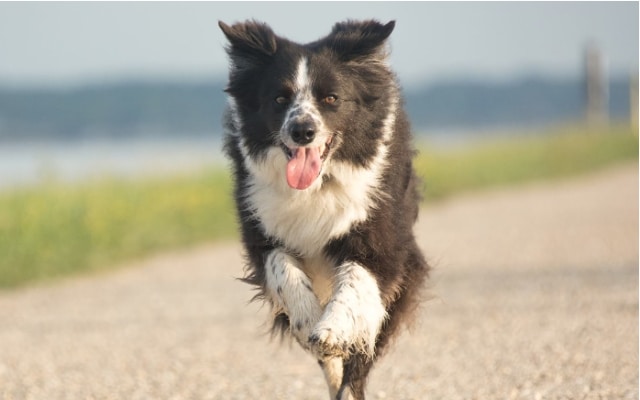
535, 296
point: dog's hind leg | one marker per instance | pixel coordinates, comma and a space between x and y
332, 368
355, 372
290, 291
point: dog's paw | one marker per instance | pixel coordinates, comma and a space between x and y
327, 342
342, 332
303, 317
302, 326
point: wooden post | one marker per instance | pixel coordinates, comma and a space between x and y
633, 101
597, 87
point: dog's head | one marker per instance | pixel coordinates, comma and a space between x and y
302, 107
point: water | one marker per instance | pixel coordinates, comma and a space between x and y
28, 163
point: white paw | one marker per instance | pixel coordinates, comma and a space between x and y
290, 291
329, 342
302, 319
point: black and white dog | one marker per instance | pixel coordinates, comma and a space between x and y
325, 191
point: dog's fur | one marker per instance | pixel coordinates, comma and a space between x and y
325, 190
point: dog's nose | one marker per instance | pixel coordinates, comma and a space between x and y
303, 132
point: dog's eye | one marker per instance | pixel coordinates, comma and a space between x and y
282, 100
331, 99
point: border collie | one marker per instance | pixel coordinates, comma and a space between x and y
325, 190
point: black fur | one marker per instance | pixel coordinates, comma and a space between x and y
349, 61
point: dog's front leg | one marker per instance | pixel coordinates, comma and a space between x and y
290, 291
352, 319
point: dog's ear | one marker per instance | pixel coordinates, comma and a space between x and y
356, 40
249, 42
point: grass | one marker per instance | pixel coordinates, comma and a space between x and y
56, 229
555, 154
59, 229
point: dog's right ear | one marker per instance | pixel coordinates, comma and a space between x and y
249, 41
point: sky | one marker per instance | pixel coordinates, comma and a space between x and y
76, 43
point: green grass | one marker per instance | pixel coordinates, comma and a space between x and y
59, 229
555, 154
55, 229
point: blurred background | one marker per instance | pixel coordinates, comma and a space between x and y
110, 113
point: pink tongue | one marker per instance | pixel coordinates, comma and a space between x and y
304, 167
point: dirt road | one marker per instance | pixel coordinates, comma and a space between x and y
535, 297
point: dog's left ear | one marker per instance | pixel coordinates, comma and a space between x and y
355, 40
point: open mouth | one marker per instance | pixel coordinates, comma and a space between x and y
304, 164
323, 150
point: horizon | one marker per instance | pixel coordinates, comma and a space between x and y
220, 79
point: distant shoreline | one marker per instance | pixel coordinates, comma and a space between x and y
28, 163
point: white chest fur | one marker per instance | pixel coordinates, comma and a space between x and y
305, 220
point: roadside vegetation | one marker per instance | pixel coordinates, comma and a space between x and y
558, 153
58, 229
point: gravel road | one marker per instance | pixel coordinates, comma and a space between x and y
534, 296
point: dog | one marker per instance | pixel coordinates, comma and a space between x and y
325, 190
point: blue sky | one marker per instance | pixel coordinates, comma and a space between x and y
78, 42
